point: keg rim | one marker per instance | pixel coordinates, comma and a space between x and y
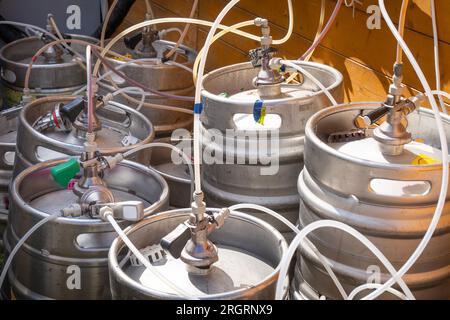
310, 134
34, 38
190, 54
23, 205
79, 148
337, 81
118, 244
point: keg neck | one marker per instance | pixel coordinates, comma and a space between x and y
189, 241
267, 80
392, 135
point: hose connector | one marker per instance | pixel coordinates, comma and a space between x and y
189, 241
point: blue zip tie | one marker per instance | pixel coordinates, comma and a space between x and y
198, 108
257, 110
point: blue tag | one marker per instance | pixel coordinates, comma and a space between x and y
198, 108
258, 111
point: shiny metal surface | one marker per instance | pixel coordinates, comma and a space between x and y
250, 251
41, 269
117, 123
337, 184
45, 79
228, 184
176, 176
8, 133
162, 77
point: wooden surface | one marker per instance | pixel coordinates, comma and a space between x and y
365, 57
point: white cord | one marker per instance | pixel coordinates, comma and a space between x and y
20, 243
325, 262
369, 286
436, 54
310, 76
444, 148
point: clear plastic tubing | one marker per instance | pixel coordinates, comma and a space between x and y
198, 22
216, 37
436, 53
309, 75
323, 260
444, 148
336, 225
20, 243
132, 90
324, 31
198, 90
371, 286
90, 94
441, 93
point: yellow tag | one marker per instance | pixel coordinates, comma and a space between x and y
128, 55
420, 140
423, 159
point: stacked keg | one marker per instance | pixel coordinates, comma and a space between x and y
68, 255
45, 133
156, 73
54, 73
8, 132
249, 253
229, 98
390, 198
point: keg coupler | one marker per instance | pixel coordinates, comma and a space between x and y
268, 80
392, 134
189, 241
70, 116
95, 199
146, 44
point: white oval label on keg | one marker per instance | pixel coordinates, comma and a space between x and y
9, 76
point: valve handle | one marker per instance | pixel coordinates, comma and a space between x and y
176, 240
375, 115
132, 42
72, 109
64, 172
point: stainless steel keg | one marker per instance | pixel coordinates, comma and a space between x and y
390, 199
229, 98
249, 249
8, 132
118, 129
49, 76
159, 76
66, 258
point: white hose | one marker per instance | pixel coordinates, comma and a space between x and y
444, 148
302, 70
179, 65
132, 90
371, 286
198, 90
162, 33
326, 264
20, 243
441, 93
337, 225
127, 63
186, 159
436, 53
143, 260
